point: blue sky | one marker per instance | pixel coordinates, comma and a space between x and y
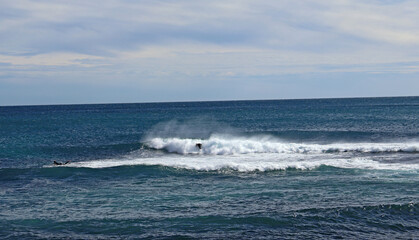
55, 52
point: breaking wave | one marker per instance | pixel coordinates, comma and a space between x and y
262, 153
227, 145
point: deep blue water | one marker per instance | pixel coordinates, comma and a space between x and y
281, 169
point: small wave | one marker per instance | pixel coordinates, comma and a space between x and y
224, 145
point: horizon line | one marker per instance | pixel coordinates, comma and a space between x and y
193, 101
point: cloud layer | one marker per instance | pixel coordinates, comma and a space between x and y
252, 49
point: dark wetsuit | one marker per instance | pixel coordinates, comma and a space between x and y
59, 163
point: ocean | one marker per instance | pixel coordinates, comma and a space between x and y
277, 169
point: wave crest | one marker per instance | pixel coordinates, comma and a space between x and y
222, 145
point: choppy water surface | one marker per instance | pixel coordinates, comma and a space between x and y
318, 169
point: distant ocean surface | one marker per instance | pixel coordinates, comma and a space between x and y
280, 169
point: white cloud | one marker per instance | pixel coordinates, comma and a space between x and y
52, 59
394, 24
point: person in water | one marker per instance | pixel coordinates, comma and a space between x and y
199, 145
60, 163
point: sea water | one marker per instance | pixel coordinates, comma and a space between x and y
280, 169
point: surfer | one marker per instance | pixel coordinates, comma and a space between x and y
60, 163
199, 145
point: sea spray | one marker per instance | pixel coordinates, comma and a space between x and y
194, 128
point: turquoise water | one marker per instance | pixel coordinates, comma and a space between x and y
316, 169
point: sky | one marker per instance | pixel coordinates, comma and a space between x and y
117, 51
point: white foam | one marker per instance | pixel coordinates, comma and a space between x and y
227, 145
248, 162
261, 153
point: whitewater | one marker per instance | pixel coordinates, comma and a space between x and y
227, 145
262, 153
